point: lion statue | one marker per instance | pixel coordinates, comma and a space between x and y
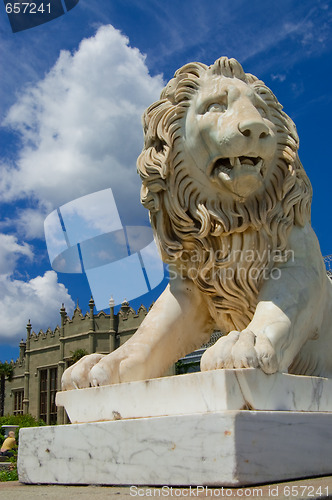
229, 204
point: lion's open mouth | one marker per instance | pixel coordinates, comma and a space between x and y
227, 164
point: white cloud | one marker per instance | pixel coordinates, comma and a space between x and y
81, 132
279, 76
29, 222
81, 126
10, 252
38, 300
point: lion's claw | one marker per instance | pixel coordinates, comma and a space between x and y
76, 376
241, 350
95, 370
266, 354
211, 360
92, 370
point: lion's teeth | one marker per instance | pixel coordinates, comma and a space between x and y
232, 161
237, 162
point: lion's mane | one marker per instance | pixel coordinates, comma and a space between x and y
187, 224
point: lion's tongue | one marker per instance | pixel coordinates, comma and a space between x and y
226, 164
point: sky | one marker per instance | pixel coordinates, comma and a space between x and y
72, 92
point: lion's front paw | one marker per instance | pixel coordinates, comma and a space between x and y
77, 375
99, 369
241, 350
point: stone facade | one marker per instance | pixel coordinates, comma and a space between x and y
45, 355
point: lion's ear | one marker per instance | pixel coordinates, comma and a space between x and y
185, 78
170, 90
156, 143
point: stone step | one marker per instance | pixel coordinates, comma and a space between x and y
5, 466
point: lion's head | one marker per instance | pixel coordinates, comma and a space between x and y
220, 170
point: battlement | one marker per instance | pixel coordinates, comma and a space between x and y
127, 320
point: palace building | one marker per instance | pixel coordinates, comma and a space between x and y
45, 355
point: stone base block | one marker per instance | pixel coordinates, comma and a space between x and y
226, 448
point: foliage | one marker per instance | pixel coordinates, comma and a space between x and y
191, 366
78, 354
6, 370
22, 421
10, 474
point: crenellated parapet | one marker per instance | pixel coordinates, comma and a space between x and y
42, 335
77, 316
18, 363
127, 320
101, 314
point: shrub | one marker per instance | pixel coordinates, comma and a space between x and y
78, 354
21, 421
11, 473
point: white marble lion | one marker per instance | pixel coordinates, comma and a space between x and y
229, 203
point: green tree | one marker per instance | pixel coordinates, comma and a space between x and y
6, 371
78, 354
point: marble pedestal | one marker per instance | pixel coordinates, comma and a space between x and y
229, 448
203, 440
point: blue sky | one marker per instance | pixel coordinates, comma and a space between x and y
71, 95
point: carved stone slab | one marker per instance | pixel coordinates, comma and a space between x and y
201, 392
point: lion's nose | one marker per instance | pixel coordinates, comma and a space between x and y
254, 128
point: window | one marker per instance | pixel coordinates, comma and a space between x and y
43, 395
48, 388
18, 402
53, 374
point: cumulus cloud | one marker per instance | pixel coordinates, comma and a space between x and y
28, 222
10, 252
80, 130
81, 127
38, 300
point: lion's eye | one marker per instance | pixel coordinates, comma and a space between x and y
216, 107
